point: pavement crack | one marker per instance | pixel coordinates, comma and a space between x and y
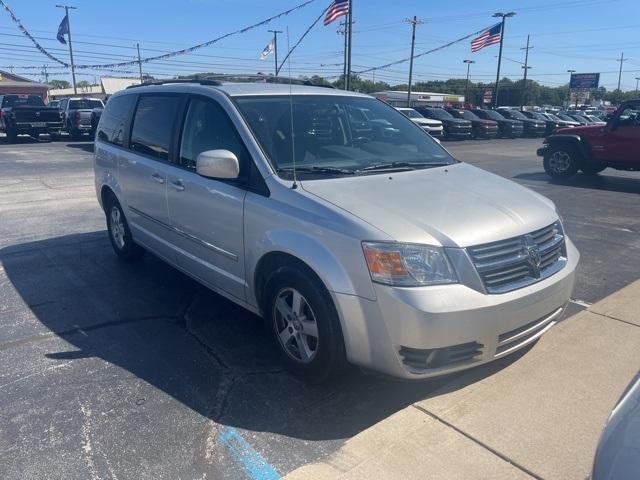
480, 443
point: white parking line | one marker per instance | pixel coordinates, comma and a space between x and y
582, 303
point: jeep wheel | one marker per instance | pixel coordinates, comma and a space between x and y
562, 161
12, 136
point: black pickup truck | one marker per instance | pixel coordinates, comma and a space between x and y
27, 114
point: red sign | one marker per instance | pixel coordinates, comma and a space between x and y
488, 96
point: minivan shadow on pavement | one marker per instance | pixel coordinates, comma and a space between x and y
165, 329
602, 181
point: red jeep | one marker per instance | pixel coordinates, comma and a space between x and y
591, 149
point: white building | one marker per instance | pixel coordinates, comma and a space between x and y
108, 86
398, 98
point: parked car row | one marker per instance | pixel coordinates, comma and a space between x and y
22, 114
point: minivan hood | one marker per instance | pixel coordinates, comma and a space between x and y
456, 205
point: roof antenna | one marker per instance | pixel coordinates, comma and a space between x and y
293, 141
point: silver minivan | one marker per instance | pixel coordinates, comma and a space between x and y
355, 235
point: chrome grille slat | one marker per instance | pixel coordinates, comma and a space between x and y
506, 265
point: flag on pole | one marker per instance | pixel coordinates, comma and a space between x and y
337, 9
268, 50
491, 36
63, 29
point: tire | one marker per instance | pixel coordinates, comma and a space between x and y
12, 136
315, 357
120, 234
592, 169
562, 161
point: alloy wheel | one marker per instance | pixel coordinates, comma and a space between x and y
295, 325
117, 227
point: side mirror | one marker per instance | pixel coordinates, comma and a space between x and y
218, 164
612, 122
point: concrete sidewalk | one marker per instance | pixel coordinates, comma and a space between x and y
538, 417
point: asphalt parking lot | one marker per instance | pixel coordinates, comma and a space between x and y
135, 371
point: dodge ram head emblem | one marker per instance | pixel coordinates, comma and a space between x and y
533, 252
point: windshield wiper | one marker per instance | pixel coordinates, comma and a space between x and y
400, 166
319, 170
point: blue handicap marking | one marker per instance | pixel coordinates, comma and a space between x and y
254, 464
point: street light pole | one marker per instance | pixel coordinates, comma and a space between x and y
637, 80
275, 47
466, 85
73, 68
504, 17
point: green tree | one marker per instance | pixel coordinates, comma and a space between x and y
59, 84
83, 84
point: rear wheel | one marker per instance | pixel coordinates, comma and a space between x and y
119, 232
562, 161
304, 323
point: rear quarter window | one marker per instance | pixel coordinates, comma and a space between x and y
114, 119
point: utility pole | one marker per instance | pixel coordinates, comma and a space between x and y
342, 30
73, 68
526, 69
621, 59
504, 17
46, 75
413, 21
349, 34
637, 80
275, 47
139, 62
466, 85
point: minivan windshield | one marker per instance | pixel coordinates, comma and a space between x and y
338, 135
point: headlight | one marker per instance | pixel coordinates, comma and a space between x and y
408, 265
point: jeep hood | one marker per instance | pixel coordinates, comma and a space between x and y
456, 205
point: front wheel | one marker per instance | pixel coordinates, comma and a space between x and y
304, 323
12, 136
562, 161
120, 234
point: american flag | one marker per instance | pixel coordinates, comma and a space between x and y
490, 36
337, 9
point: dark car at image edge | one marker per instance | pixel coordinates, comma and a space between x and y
22, 114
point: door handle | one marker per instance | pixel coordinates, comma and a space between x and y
157, 177
178, 185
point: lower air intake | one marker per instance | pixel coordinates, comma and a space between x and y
425, 359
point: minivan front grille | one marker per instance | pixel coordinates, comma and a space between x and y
425, 359
510, 264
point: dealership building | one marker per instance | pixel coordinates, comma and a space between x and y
12, 83
398, 98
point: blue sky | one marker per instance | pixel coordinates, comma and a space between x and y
584, 35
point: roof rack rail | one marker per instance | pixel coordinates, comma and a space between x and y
214, 83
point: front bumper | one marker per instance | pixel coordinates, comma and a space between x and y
542, 151
462, 134
378, 334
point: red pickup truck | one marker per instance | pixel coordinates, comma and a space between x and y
591, 149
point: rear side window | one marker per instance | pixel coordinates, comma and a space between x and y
22, 101
114, 119
153, 125
85, 104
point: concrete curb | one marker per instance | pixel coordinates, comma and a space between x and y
538, 417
